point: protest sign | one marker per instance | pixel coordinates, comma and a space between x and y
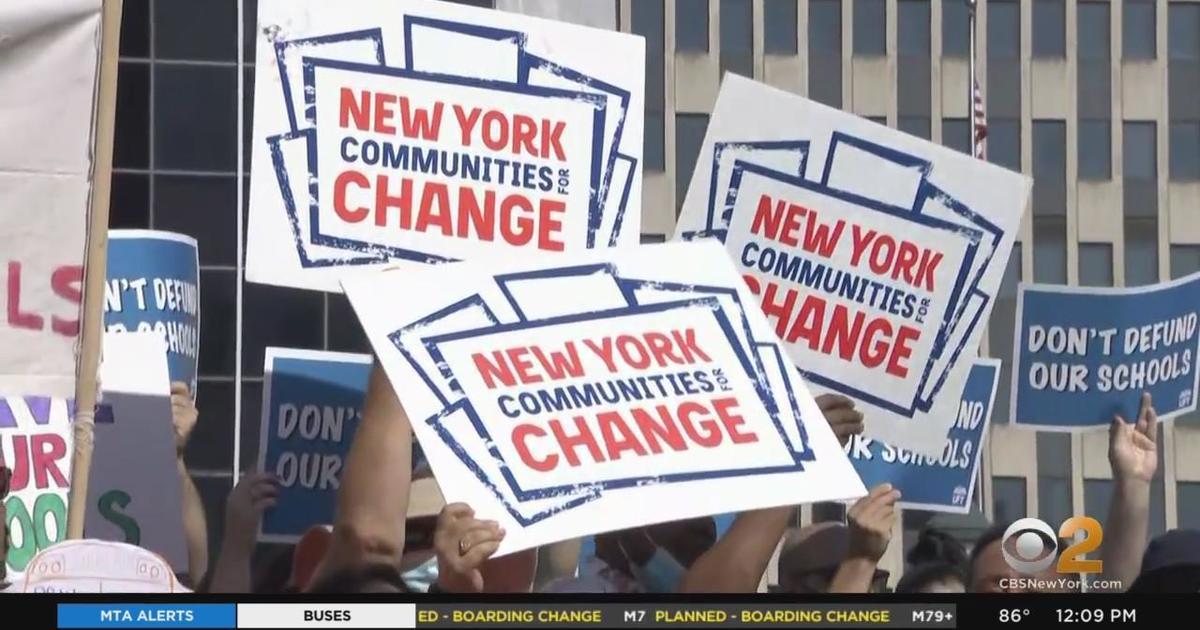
47, 83
598, 391
1085, 354
874, 254
154, 285
99, 566
944, 483
35, 443
418, 132
134, 495
312, 404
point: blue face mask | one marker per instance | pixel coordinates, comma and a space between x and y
662, 573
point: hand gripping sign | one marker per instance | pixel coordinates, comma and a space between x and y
874, 255
609, 390
422, 132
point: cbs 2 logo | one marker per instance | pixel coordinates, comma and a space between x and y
1031, 538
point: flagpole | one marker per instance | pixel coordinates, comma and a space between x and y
971, 75
92, 314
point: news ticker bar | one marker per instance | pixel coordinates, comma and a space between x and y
409, 615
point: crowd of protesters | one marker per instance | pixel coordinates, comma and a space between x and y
393, 535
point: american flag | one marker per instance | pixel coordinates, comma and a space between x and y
980, 124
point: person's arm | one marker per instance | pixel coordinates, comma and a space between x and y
1133, 454
253, 495
195, 526
736, 562
372, 502
870, 521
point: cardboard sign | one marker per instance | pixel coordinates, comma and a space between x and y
944, 483
422, 132
312, 405
154, 285
614, 389
99, 566
1086, 354
36, 444
47, 82
134, 492
874, 254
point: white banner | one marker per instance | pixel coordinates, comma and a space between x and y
47, 83
599, 391
421, 132
875, 255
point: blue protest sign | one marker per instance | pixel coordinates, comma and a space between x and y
945, 483
1085, 354
154, 285
312, 404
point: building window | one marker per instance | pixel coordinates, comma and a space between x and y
779, 27
1187, 501
1004, 29
956, 134
915, 125
1185, 150
1141, 156
1095, 149
737, 36
1049, 28
1004, 142
691, 25
913, 30
825, 52
1185, 259
1094, 31
1183, 37
647, 19
1000, 333
1096, 264
870, 27
1008, 499
1139, 40
1140, 203
689, 134
956, 29
1054, 476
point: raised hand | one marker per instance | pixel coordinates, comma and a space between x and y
1133, 447
183, 415
870, 520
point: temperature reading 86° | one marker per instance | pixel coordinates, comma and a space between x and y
1013, 615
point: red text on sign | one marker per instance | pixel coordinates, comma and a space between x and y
65, 281
639, 432
478, 214
35, 460
838, 330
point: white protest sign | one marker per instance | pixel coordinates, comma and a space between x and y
134, 494
599, 391
875, 255
419, 132
47, 82
99, 566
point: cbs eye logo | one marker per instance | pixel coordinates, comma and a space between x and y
1030, 546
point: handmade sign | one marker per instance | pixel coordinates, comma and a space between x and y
47, 83
100, 566
312, 404
130, 499
874, 254
944, 483
36, 444
1085, 354
420, 132
599, 391
154, 285
136, 499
